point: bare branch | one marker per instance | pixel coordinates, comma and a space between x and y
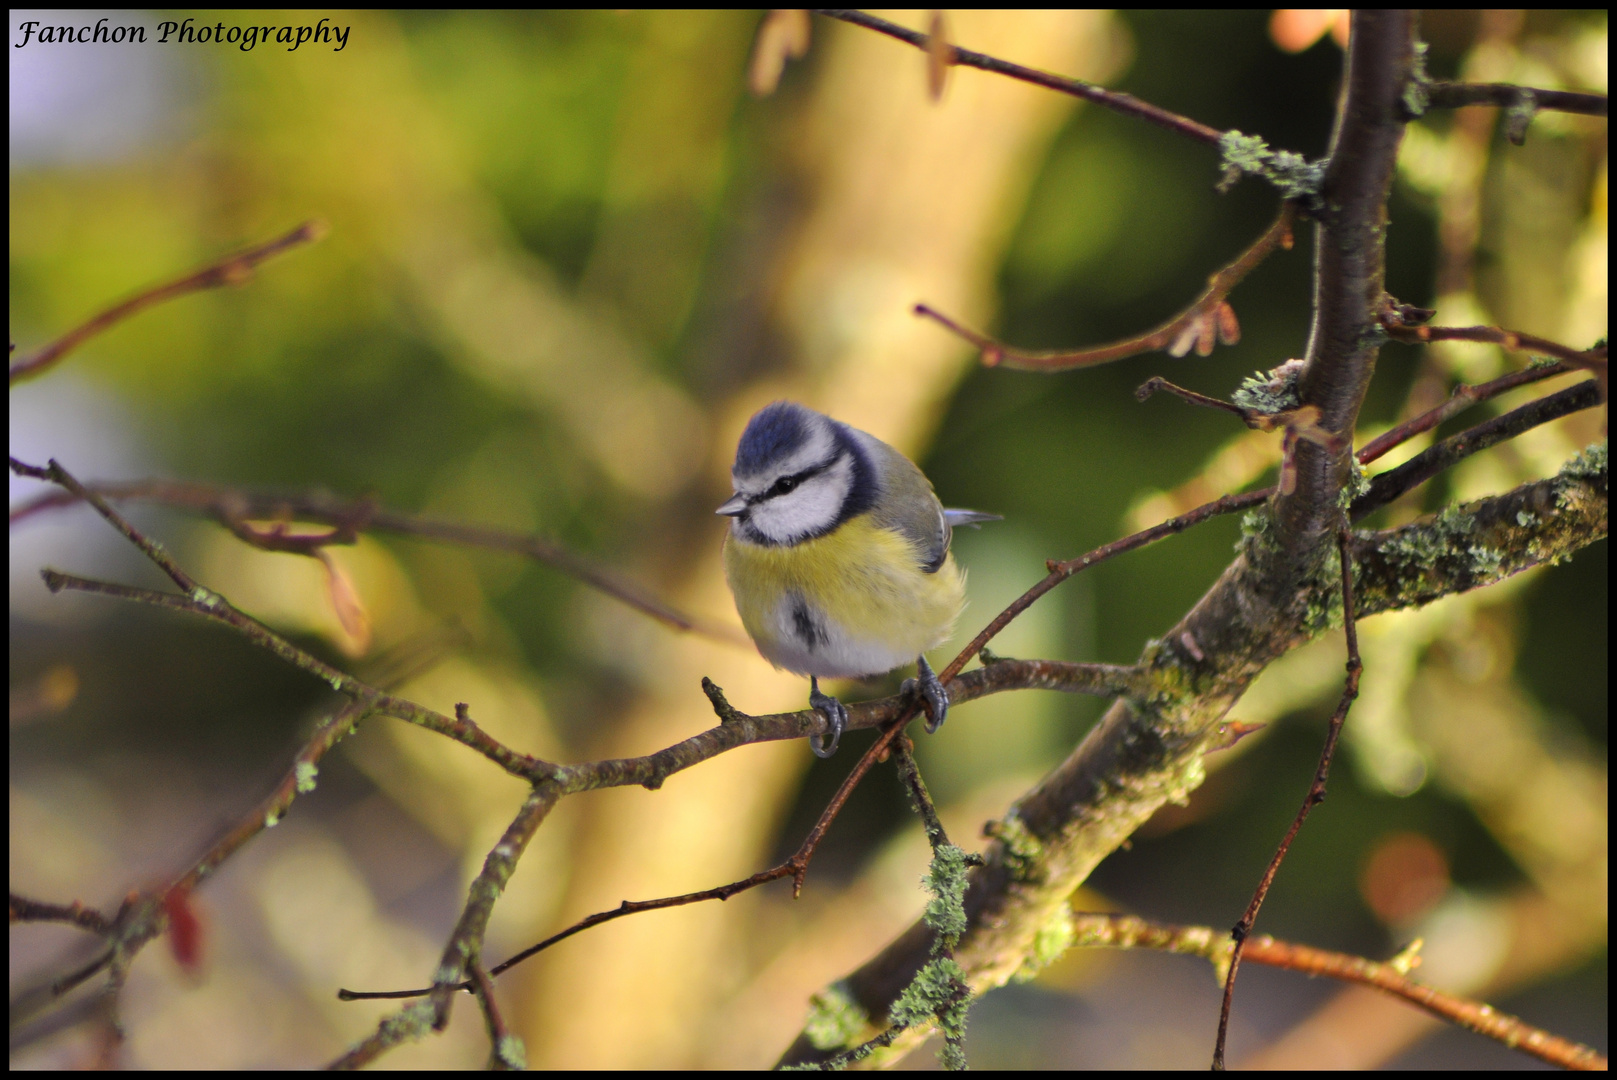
1387, 486
1526, 99
237, 508
231, 270
1511, 340
1209, 318
1460, 399
1127, 104
1315, 796
1391, 977
76, 914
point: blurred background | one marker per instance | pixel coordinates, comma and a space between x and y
569, 255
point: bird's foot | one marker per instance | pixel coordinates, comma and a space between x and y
933, 696
836, 719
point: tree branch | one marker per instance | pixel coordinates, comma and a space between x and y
1127, 104
1390, 977
235, 507
231, 270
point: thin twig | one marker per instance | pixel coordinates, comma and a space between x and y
215, 607
1460, 399
1119, 102
1441, 456
1463, 398
1453, 95
231, 270
1316, 790
1157, 384
498, 1034
910, 773
54, 473
1510, 340
863, 1050
235, 508
1207, 320
85, 918
1391, 977
795, 867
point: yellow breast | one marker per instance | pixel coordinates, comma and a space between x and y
851, 603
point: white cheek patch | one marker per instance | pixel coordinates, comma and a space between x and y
807, 510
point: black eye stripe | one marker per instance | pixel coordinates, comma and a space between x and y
787, 484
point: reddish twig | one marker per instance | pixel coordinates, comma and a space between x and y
1460, 399
1207, 320
1315, 796
1391, 977
231, 270
1394, 320
1127, 104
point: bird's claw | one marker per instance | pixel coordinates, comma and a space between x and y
933, 695
836, 719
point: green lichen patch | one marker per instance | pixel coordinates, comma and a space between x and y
1589, 465
835, 1019
1023, 852
946, 880
1271, 392
1292, 174
1416, 96
1050, 943
938, 992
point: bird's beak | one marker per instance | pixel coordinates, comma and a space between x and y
735, 507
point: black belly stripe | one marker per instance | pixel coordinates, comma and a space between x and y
807, 628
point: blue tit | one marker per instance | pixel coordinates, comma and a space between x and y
838, 556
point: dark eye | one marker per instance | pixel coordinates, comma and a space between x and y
785, 484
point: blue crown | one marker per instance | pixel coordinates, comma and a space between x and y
772, 433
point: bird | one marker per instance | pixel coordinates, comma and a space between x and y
838, 557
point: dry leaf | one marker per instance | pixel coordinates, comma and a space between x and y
939, 55
349, 608
782, 36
